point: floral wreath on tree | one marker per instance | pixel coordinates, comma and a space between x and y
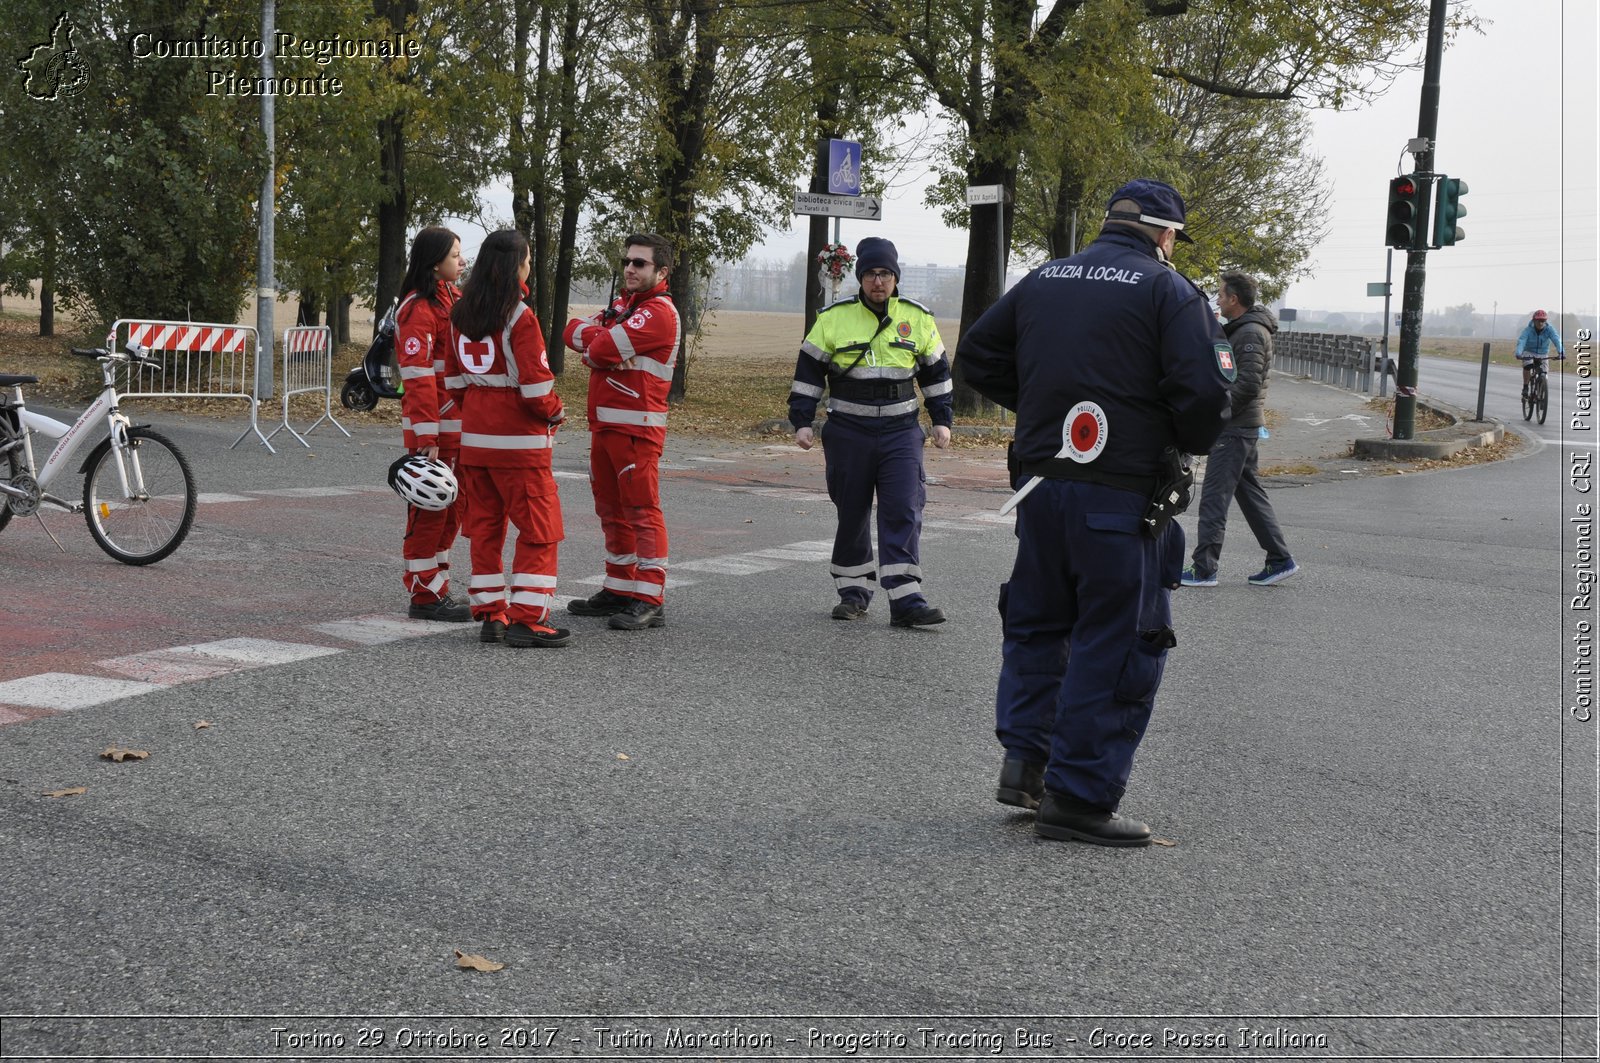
835, 260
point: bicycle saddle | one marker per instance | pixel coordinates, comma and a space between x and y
10, 380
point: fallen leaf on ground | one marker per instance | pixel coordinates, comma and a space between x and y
71, 791
1168, 842
201, 725
476, 963
623, 756
120, 755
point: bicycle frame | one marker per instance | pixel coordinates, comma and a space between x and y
70, 439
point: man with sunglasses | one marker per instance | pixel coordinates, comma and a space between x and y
630, 348
867, 351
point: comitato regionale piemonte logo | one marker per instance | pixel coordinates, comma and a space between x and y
54, 70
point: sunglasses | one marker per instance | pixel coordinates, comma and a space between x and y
637, 263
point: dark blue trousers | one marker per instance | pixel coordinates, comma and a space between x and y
883, 458
1087, 623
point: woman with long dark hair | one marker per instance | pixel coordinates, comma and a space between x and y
498, 371
428, 418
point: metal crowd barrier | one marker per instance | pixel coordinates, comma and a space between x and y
197, 360
1349, 362
308, 368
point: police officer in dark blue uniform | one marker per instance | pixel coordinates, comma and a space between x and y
1114, 366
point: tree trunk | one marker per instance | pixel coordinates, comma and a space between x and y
394, 208
986, 269
571, 188
309, 309
47, 285
818, 293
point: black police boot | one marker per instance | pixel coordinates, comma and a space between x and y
849, 609
1021, 783
919, 616
639, 615
541, 636
604, 603
492, 631
1064, 817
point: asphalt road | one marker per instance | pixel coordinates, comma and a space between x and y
758, 823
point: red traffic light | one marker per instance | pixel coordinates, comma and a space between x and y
1403, 187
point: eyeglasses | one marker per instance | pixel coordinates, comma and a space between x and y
877, 275
637, 263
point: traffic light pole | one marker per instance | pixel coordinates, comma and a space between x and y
1405, 378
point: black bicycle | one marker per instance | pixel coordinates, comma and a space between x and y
1536, 396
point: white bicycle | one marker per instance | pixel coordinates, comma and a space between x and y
138, 492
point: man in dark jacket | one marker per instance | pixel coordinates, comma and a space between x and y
1110, 359
1231, 465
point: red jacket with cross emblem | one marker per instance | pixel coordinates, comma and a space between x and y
630, 349
503, 384
422, 333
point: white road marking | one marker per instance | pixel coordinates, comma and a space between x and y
205, 498
251, 653
164, 668
63, 690
379, 628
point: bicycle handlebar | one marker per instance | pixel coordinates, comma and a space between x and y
133, 353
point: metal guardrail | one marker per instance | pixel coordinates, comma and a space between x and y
1349, 362
308, 368
195, 360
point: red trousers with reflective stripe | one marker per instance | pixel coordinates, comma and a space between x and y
625, 474
526, 499
429, 534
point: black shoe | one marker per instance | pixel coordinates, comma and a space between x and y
848, 610
445, 608
492, 631
1021, 783
603, 603
639, 615
1064, 817
524, 636
920, 616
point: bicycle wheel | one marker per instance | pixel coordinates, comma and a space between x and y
143, 526
1541, 398
1527, 403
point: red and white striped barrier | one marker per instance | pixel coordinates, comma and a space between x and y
197, 360
308, 367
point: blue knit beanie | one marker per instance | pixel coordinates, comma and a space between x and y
877, 253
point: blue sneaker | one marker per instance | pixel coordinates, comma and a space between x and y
1275, 573
1191, 578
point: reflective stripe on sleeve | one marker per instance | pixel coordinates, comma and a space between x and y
421, 428
810, 391
943, 387
413, 372
659, 370
816, 352
644, 418
450, 426
619, 336
534, 391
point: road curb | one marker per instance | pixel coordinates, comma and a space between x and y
1463, 433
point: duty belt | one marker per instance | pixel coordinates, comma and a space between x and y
852, 390
1067, 469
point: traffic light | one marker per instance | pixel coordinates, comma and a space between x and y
1448, 210
1405, 212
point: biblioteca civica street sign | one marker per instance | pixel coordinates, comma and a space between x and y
868, 207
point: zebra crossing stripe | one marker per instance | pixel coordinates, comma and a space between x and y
64, 691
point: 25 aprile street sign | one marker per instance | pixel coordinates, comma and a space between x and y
867, 207
978, 195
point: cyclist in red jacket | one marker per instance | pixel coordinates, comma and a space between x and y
428, 419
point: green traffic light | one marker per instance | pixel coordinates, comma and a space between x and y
1449, 210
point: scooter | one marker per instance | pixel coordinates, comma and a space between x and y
376, 377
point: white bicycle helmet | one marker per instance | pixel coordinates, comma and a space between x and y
426, 483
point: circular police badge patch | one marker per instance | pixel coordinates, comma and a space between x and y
1086, 432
